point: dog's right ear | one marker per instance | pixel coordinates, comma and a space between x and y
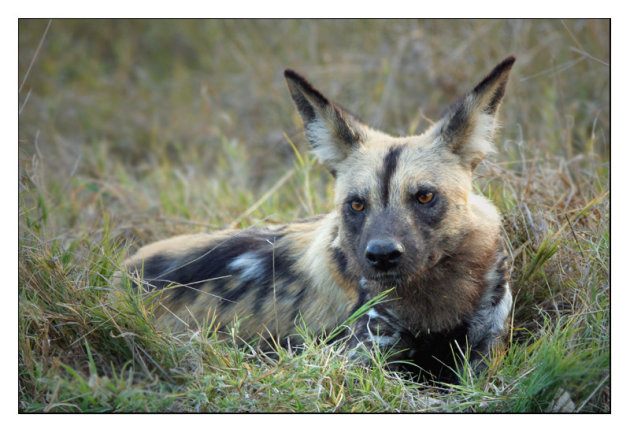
332, 132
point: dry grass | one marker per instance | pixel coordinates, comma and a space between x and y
131, 131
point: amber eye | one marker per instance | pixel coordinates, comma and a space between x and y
357, 205
425, 197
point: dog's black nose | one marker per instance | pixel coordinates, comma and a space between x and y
384, 254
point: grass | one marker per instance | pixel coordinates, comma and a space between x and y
134, 130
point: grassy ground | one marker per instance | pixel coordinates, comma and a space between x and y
131, 131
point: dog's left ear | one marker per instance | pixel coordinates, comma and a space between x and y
468, 127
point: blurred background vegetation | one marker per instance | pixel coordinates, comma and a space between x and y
133, 130
188, 95
138, 90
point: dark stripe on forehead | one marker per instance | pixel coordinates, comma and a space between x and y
389, 167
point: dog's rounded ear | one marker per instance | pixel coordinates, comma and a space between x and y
332, 132
469, 124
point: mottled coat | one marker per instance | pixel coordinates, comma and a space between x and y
404, 217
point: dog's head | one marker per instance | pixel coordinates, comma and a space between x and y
403, 202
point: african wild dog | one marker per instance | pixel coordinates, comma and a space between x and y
404, 216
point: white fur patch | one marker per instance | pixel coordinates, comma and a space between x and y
249, 265
384, 341
324, 147
372, 314
480, 141
489, 320
380, 340
501, 312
